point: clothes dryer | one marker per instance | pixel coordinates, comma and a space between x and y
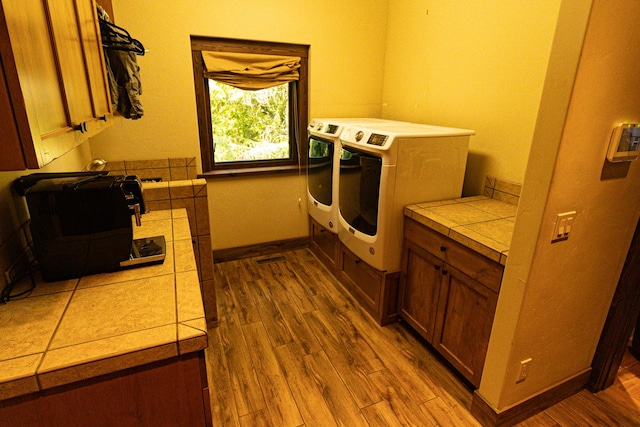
383, 168
322, 166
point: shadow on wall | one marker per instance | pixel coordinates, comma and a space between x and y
474, 186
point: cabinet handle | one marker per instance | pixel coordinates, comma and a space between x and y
445, 272
103, 118
443, 248
82, 127
437, 267
357, 261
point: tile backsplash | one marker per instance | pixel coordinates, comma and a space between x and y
176, 169
179, 188
505, 191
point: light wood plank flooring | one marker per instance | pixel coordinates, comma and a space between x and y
294, 349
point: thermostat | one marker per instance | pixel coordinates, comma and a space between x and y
624, 144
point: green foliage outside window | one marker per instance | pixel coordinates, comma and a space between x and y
249, 125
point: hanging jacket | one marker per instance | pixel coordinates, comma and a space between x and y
123, 74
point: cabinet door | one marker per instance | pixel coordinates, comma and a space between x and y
36, 66
463, 325
54, 70
419, 289
77, 41
13, 157
66, 39
89, 29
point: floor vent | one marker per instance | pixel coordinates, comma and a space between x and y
272, 259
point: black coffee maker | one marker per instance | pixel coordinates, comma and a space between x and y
81, 223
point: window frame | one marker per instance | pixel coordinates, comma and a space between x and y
297, 134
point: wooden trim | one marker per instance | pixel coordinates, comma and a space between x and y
620, 322
221, 44
260, 249
487, 416
204, 121
11, 80
389, 299
230, 173
298, 142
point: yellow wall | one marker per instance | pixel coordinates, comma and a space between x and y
475, 65
556, 296
14, 211
346, 67
481, 67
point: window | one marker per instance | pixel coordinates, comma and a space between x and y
250, 123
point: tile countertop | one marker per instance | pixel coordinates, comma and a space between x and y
77, 329
480, 223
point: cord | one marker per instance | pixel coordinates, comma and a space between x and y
29, 269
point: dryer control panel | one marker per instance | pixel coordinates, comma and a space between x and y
364, 137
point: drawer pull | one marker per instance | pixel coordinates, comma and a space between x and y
445, 272
357, 261
437, 267
443, 248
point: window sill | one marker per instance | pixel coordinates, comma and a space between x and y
249, 172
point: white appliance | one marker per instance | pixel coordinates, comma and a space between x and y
322, 171
384, 167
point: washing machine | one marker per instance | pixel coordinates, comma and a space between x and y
322, 171
383, 168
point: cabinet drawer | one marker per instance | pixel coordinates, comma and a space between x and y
324, 244
376, 291
474, 265
365, 280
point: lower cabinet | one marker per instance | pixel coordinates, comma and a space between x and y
376, 291
324, 244
448, 294
172, 392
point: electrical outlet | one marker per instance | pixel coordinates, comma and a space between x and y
524, 370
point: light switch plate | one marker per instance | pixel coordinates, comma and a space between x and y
562, 228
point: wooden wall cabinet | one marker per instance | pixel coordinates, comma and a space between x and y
55, 80
448, 294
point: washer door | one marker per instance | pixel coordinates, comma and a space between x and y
360, 189
320, 170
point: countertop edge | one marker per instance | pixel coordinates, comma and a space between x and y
189, 335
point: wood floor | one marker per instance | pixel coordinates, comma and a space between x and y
294, 349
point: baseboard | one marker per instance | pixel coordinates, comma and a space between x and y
260, 249
488, 417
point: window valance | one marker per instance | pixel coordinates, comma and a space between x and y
250, 71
